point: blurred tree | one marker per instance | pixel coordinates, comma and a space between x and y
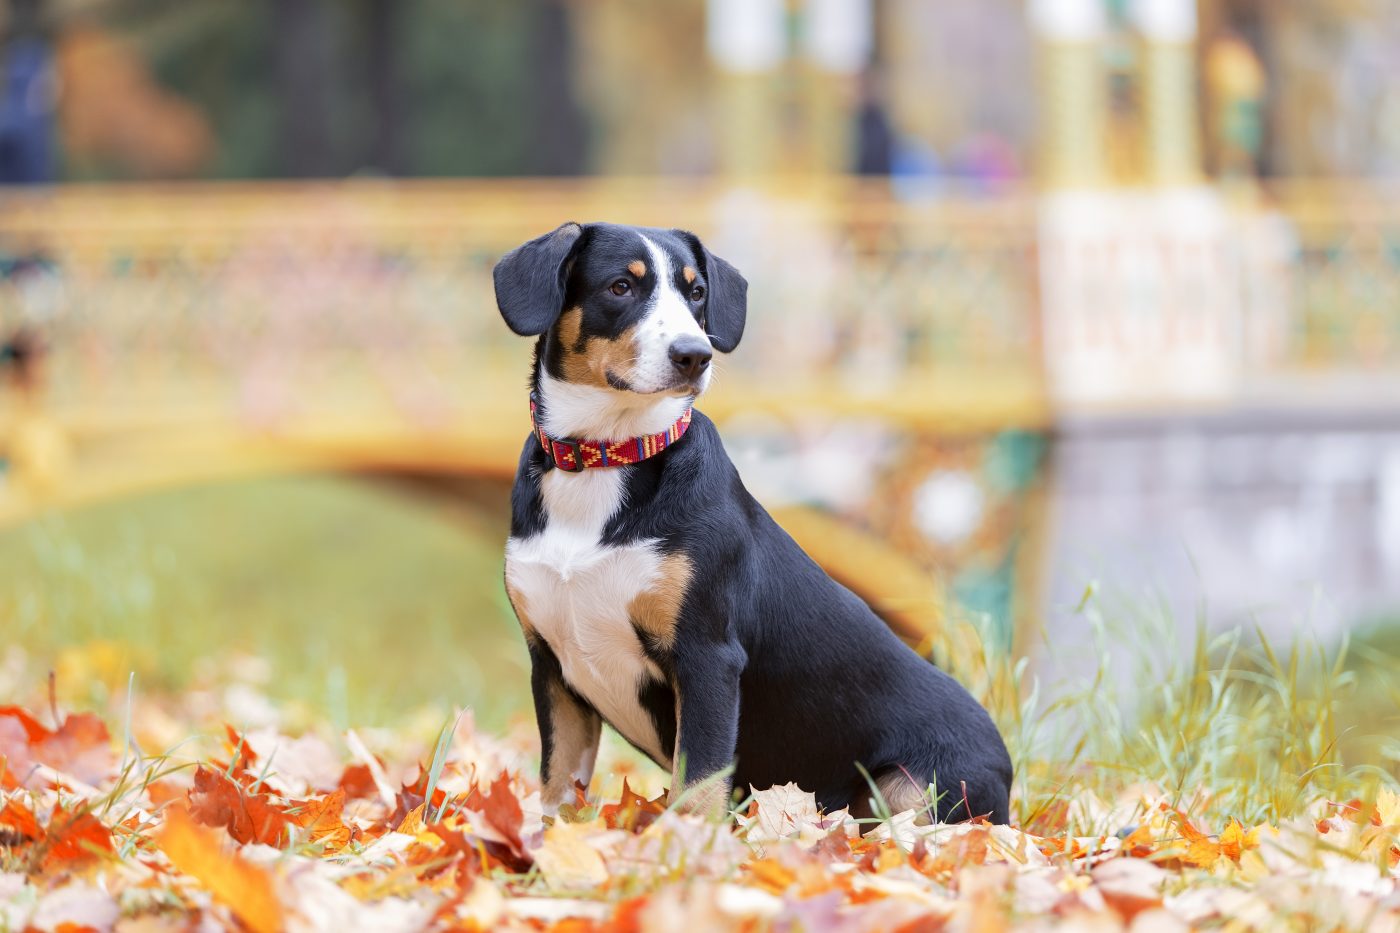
383, 32
412, 87
115, 117
559, 132
302, 50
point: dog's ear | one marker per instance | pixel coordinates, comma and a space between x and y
727, 306
530, 280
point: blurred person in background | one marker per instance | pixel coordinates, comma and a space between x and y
27, 107
1236, 86
875, 140
33, 449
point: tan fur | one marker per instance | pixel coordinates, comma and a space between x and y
517, 602
575, 731
900, 793
590, 363
637, 268
689, 274
657, 610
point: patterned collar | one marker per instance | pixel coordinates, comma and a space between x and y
575, 456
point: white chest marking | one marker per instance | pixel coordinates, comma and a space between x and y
577, 591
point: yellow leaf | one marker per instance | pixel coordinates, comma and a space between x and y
566, 859
1388, 807
244, 888
1201, 850
413, 824
1234, 841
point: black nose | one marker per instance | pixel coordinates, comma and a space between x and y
690, 356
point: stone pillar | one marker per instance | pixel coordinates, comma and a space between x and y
1171, 128
1073, 92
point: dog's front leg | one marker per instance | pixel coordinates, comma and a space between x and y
569, 729
707, 726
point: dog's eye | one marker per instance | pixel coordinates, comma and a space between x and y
697, 293
621, 288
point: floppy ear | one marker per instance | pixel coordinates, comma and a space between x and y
530, 280
727, 306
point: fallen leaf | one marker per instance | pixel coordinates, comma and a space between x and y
567, 861
1129, 885
80, 747
632, 812
217, 801
323, 820
246, 889
1234, 841
783, 811
74, 836
20, 821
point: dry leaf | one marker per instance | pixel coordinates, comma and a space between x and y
246, 889
217, 801
566, 859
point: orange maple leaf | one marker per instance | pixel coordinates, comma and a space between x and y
245, 888
632, 811
217, 801
80, 747
71, 836
1235, 841
21, 822
1203, 851
75, 836
324, 822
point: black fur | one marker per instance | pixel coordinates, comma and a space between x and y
529, 280
783, 673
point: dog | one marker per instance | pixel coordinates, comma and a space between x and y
655, 594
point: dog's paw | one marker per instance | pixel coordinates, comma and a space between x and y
703, 798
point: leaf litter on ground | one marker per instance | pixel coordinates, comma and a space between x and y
261, 828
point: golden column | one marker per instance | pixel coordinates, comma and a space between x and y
838, 36
1171, 130
747, 41
1073, 92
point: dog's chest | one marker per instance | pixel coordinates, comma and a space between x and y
576, 593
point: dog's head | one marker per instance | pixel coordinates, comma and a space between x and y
627, 309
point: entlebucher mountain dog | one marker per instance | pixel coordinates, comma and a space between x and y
658, 596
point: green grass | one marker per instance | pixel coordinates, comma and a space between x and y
1224, 723
370, 601
367, 600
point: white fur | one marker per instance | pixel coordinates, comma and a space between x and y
591, 413
576, 592
668, 318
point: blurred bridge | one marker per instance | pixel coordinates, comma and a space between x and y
893, 371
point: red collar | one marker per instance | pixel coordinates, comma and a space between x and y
573, 456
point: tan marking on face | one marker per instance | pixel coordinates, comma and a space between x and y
657, 610
637, 268
689, 275
570, 323
598, 357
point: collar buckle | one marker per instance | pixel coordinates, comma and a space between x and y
573, 448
